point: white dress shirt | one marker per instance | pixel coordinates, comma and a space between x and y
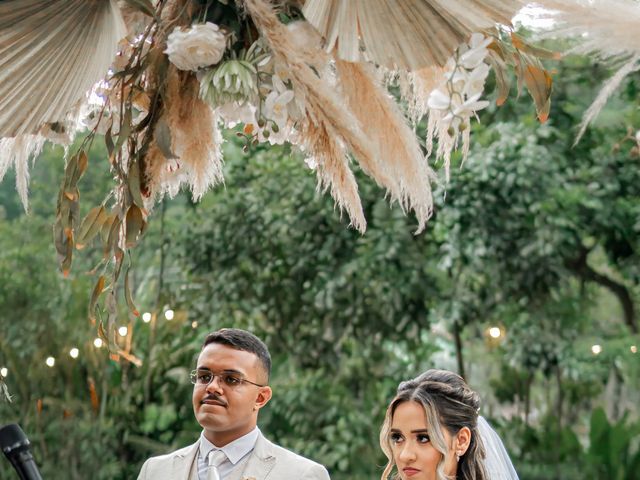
235, 451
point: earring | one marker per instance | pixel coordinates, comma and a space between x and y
458, 457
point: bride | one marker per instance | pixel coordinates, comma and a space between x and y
432, 431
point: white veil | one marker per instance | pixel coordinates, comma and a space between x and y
497, 462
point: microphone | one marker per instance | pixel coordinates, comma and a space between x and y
15, 445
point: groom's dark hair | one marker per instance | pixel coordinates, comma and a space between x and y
242, 340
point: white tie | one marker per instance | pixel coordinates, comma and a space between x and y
216, 458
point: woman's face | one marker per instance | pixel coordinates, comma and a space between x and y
413, 453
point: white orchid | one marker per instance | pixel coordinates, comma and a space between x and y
457, 99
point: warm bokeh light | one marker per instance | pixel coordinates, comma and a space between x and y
74, 352
97, 342
634, 349
4, 372
194, 324
495, 332
122, 331
50, 361
169, 314
596, 349
146, 317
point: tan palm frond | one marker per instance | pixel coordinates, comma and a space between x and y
405, 34
606, 28
51, 53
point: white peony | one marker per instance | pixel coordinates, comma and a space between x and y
199, 46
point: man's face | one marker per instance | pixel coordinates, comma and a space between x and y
229, 412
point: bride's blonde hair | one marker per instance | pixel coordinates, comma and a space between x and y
448, 403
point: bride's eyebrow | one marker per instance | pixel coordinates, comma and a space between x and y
424, 430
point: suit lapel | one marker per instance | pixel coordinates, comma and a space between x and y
183, 461
261, 461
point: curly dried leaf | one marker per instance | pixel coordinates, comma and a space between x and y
112, 239
95, 295
133, 182
162, 134
134, 221
59, 239
108, 141
125, 130
502, 79
519, 43
90, 226
539, 84
128, 296
81, 167
106, 227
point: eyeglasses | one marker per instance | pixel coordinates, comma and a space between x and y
228, 379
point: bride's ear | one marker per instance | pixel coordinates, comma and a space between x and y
462, 441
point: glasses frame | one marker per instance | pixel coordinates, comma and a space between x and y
193, 375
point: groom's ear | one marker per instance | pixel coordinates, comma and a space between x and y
264, 395
463, 440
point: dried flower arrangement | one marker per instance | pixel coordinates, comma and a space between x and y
314, 74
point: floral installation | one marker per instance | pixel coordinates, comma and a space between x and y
179, 72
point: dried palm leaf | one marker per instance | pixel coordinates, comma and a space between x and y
607, 28
406, 34
51, 53
396, 145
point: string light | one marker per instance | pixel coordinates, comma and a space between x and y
74, 352
596, 349
97, 342
4, 372
495, 332
122, 331
146, 317
169, 314
50, 361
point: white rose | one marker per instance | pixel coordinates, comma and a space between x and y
199, 46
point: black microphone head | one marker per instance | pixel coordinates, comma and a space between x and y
12, 437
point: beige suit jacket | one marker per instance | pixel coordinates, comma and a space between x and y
267, 461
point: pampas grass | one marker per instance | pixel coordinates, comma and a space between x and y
324, 107
195, 139
397, 149
333, 171
17, 151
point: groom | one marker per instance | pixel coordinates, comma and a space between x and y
230, 387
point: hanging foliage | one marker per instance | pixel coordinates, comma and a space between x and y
180, 71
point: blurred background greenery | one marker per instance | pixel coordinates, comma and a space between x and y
526, 281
